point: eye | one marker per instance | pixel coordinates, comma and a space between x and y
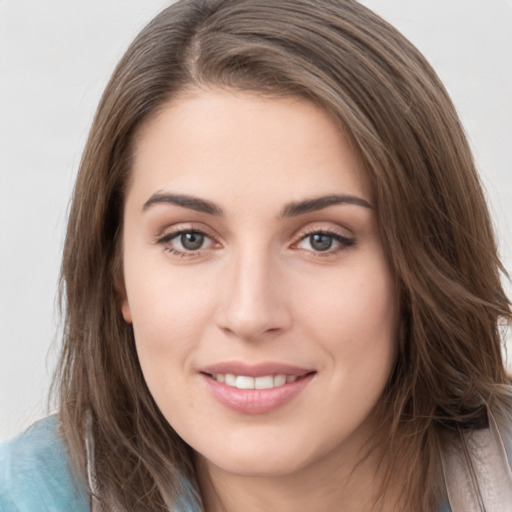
192, 241
186, 242
324, 242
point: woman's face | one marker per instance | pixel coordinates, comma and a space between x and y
263, 307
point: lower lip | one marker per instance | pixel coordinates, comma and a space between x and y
256, 401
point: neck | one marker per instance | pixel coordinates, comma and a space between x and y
350, 482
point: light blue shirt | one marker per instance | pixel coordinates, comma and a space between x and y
35, 475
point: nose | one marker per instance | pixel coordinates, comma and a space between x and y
252, 298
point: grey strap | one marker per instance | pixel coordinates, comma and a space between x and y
477, 472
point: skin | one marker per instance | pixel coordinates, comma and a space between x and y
259, 290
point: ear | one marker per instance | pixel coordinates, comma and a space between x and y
125, 309
123, 301
120, 289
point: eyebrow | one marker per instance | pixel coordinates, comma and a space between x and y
319, 203
185, 201
290, 210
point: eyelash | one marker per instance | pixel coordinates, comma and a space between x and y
344, 242
166, 240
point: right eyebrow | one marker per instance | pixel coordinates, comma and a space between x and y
185, 201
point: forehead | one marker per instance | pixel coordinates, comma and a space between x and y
214, 140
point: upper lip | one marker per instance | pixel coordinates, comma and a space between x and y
255, 370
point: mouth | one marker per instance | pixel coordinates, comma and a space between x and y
255, 389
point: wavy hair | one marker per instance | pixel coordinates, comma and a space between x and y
431, 210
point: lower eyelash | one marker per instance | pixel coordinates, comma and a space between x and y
164, 240
180, 254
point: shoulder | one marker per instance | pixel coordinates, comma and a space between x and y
35, 473
477, 467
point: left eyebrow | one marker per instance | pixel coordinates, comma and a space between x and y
319, 203
185, 201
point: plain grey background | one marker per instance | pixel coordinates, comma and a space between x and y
55, 59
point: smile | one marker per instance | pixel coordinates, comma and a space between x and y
255, 389
247, 382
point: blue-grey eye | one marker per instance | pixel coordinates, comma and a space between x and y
320, 242
191, 241
325, 242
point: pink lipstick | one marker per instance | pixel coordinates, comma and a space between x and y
255, 389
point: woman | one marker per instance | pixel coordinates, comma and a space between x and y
280, 279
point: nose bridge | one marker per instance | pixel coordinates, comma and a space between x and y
252, 304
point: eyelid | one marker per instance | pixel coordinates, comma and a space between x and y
338, 234
328, 228
167, 235
184, 227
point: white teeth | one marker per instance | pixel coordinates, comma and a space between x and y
279, 380
245, 382
266, 382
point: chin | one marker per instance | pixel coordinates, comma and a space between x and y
258, 466
264, 459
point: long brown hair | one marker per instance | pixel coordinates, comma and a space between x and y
432, 214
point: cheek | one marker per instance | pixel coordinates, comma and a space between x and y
164, 310
163, 299
356, 303
353, 318
167, 334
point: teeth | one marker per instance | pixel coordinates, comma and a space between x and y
245, 382
266, 382
279, 380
